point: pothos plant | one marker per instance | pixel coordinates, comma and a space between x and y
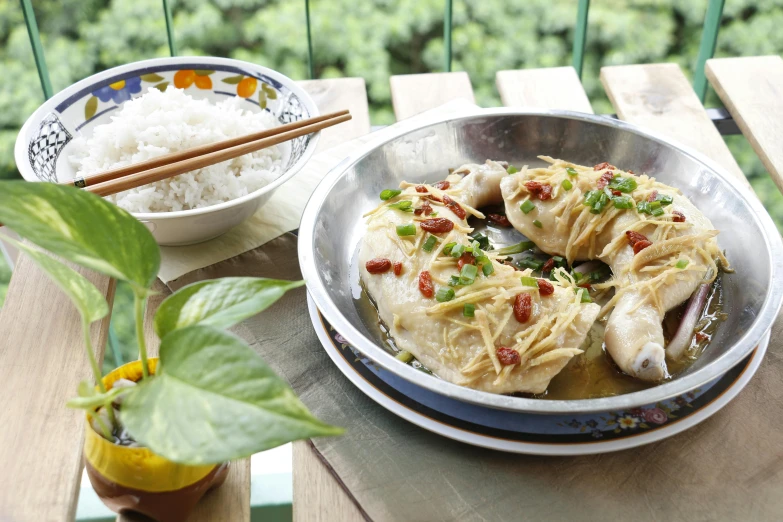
212, 398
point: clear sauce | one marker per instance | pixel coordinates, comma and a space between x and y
592, 374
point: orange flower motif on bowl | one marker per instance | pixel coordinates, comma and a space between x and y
186, 77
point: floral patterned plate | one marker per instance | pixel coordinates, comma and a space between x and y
532, 433
42, 146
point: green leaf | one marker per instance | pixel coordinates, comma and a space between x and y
152, 77
269, 90
87, 299
203, 72
90, 402
214, 399
219, 302
90, 107
233, 80
82, 228
162, 86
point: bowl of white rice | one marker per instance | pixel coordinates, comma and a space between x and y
147, 109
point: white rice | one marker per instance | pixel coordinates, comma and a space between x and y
158, 123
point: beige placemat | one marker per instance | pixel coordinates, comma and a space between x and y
730, 467
283, 211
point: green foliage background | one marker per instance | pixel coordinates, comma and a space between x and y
374, 39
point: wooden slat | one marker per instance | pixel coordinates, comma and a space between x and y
416, 93
752, 90
553, 88
42, 360
337, 94
659, 97
317, 495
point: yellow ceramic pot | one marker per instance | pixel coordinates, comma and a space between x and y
136, 479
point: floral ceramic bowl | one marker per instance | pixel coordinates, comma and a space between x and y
41, 149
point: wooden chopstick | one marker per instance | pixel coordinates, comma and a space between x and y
113, 186
201, 150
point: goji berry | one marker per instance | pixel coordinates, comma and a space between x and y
465, 259
545, 287
523, 305
378, 265
634, 237
437, 225
640, 245
425, 284
499, 219
508, 356
454, 207
604, 165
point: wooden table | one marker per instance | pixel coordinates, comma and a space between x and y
41, 358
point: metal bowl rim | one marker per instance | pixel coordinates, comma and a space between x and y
20, 145
733, 355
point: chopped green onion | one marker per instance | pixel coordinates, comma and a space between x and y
595, 276
591, 197
585, 298
512, 169
429, 244
406, 230
469, 310
516, 249
571, 171
664, 199
655, 204
483, 240
390, 193
457, 250
577, 276
567, 185
448, 247
622, 184
467, 275
559, 261
444, 294
658, 212
597, 201
538, 224
404, 356
530, 262
643, 207
454, 280
527, 206
622, 202
405, 206
487, 268
682, 263
530, 281
433, 214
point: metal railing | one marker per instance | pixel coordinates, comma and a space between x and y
709, 39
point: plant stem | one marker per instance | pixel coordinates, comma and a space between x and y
96, 372
105, 429
139, 303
